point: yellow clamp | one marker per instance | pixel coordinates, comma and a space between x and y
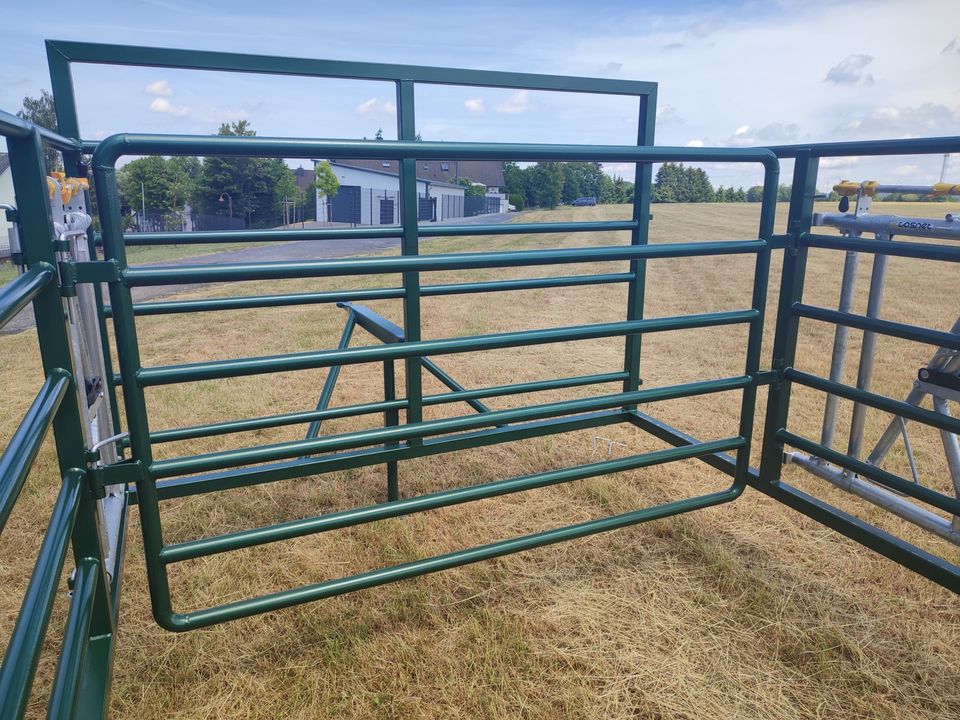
849, 188
68, 186
941, 189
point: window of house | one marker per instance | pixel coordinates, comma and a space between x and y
385, 163
444, 166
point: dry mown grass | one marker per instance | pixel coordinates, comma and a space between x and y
747, 610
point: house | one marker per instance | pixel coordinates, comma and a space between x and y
369, 191
6, 198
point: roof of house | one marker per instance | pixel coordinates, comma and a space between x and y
305, 178
485, 172
4, 162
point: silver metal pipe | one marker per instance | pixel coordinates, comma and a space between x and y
878, 281
945, 229
951, 448
847, 287
877, 495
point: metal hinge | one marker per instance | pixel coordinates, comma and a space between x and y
100, 478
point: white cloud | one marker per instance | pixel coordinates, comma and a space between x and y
519, 102
694, 143
893, 121
850, 71
159, 88
377, 106
162, 105
953, 47
667, 114
838, 163
772, 134
614, 67
475, 105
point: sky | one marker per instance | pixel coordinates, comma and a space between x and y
730, 73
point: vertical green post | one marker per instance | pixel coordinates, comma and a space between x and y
791, 291
391, 417
37, 233
128, 353
639, 236
410, 242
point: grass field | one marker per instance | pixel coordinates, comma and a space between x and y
747, 610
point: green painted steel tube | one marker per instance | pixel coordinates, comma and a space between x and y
376, 232
384, 330
223, 428
444, 377
337, 296
391, 418
17, 459
372, 513
352, 459
108, 54
884, 327
920, 251
279, 451
878, 475
110, 149
906, 146
270, 421
185, 274
76, 637
330, 382
26, 640
213, 237
12, 126
332, 588
194, 372
20, 292
880, 402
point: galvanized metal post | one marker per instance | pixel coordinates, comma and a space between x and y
847, 287
391, 418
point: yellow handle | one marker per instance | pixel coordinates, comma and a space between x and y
849, 188
941, 189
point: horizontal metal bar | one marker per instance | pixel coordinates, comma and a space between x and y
910, 556
26, 640
297, 448
878, 475
884, 327
114, 147
13, 126
19, 292
76, 637
336, 462
17, 459
212, 237
880, 402
195, 431
920, 251
269, 421
184, 274
336, 296
907, 146
332, 588
372, 513
207, 237
525, 228
108, 54
877, 495
212, 370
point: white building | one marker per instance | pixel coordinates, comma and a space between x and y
369, 191
6, 198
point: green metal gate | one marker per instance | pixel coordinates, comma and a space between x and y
83, 678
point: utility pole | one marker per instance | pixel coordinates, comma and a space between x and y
943, 168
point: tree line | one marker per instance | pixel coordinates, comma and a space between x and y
252, 189
549, 184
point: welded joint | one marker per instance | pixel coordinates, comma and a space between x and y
123, 473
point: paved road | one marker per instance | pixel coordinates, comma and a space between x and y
298, 250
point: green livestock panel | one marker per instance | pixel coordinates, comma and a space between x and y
52, 276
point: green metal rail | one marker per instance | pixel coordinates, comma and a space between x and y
81, 683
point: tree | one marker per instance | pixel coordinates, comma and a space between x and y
546, 184
581, 179
165, 186
472, 188
256, 186
514, 179
379, 135
676, 183
41, 111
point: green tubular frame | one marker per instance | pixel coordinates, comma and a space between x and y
81, 683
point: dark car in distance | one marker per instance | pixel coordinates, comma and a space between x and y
584, 201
